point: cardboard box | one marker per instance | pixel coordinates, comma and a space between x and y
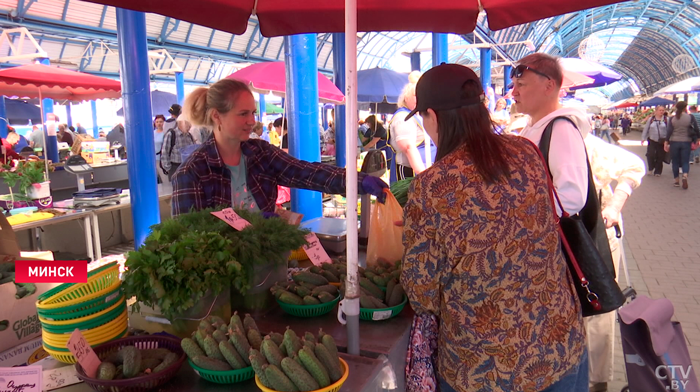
95, 151
21, 320
25, 354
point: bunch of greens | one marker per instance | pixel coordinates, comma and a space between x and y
26, 173
184, 258
400, 190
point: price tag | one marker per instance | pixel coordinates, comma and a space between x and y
229, 216
381, 315
23, 378
82, 351
60, 377
315, 251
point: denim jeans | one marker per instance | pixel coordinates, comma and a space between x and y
575, 381
606, 133
680, 157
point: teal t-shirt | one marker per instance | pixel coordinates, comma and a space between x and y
241, 197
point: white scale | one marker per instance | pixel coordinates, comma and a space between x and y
77, 165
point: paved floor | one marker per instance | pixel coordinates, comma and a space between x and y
662, 244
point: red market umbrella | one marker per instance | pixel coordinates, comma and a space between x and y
284, 17
626, 105
270, 77
46, 81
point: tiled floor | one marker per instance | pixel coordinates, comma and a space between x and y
662, 244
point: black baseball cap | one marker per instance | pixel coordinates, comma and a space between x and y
441, 89
175, 109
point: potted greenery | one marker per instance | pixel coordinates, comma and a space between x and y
31, 176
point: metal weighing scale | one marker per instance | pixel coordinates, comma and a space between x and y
97, 197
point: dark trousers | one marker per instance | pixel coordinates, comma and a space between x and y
655, 156
173, 167
404, 172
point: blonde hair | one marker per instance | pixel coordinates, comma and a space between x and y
408, 90
413, 77
503, 101
220, 96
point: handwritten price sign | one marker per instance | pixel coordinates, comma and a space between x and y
315, 251
82, 351
229, 216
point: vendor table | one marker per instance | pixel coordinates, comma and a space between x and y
363, 377
70, 215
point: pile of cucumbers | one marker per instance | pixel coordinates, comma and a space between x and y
288, 363
219, 346
7, 275
130, 362
307, 288
379, 285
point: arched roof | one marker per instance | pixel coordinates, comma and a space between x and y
641, 40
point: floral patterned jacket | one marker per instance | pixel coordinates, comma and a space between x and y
485, 259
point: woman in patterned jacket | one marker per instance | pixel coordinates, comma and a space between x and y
483, 254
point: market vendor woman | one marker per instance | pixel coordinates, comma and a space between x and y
231, 170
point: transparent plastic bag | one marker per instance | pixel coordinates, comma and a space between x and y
385, 242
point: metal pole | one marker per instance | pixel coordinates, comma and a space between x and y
51, 145
506, 78
95, 127
415, 61
302, 98
486, 74
180, 87
351, 305
69, 115
339, 80
263, 104
136, 93
440, 54
4, 122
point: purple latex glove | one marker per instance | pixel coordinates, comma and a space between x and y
375, 186
268, 215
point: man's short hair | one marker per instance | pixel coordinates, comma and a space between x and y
280, 122
694, 108
546, 64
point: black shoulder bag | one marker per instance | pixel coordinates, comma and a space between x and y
586, 246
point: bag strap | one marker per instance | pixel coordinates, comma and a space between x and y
590, 296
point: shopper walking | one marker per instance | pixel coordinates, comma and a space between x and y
655, 134
682, 132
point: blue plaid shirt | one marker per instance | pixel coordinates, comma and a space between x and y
204, 181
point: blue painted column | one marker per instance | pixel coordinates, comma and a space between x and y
3, 118
415, 61
324, 117
51, 147
261, 112
339, 78
506, 77
180, 87
302, 99
69, 115
439, 49
136, 94
95, 127
486, 73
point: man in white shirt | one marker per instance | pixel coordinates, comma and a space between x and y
536, 83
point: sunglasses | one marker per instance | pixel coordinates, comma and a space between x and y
517, 72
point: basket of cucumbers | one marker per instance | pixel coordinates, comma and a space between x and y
135, 364
309, 295
219, 352
309, 363
382, 296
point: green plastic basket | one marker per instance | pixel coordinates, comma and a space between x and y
82, 309
382, 314
224, 377
309, 310
124, 333
89, 324
50, 293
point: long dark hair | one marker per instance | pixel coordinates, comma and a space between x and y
471, 128
680, 108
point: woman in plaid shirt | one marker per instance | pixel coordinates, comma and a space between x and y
231, 170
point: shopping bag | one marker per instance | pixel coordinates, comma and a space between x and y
385, 242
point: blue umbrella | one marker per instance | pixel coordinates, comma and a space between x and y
601, 74
656, 101
160, 103
380, 85
20, 112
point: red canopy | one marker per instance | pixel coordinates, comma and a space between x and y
627, 105
56, 83
284, 17
270, 77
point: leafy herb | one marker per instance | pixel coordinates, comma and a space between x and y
186, 257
